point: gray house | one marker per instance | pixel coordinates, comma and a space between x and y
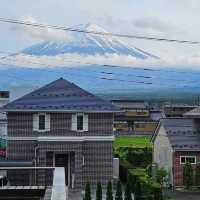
175, 142
61, 124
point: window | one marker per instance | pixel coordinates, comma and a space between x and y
79, 122
190, 159
41, 122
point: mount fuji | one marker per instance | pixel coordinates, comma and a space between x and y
87, 44
49, 60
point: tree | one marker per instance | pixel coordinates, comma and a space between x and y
138, 192
109, 193
187, 175
118, 195
197, 175
99, 191
161, 176
87, 195
127, 195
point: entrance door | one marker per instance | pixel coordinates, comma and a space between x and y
61, 160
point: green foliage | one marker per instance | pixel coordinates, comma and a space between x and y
132, 141
118, 195
187, 175
146, 184
127, 195
123, 170
137, 157
87, 195
138, 190
161, 175
197, 175
109, 192
99, 192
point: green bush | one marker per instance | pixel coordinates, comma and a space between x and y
109, 192
87, 195
146, 184
187, 175
138, 157
197, 175
99, 192
127, 195
118, 195
123, 170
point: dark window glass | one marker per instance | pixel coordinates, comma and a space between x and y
182, 159
190, 159
41, 122
79, 122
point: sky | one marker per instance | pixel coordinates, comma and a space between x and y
173, 19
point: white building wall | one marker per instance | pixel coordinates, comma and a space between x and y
163, 152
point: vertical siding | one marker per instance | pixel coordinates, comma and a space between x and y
21, 124
178, 168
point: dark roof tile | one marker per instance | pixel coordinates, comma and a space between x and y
61, 95
183, 133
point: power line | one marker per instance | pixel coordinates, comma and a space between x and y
39, 25
81, 75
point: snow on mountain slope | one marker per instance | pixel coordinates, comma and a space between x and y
87, 44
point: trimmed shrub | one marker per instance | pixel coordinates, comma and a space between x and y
118, 195
187, 175
127, 195
87, 195
109, 192
99, 192
197, 175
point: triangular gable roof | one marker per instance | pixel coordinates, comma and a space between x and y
63, 96
182, 133
194, 113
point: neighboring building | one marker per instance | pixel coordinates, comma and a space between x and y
61, 124
4, 99
134, 119
194, 113
176, 141
177, 110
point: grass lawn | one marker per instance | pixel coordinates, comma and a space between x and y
132, 141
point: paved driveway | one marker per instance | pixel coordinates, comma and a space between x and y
184, 195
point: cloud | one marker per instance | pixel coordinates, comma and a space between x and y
156, 26
44, 34
71, 60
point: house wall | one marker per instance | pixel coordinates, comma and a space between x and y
93, 159
162, 152
178, 168
98, 159
21, 124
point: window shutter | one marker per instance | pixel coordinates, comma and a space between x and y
85, 122
74, 122
35, 122
47, 122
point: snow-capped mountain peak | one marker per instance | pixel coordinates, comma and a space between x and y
90, 27
87, 44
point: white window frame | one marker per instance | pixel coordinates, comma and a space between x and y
85, 122
47, 122
195, 158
